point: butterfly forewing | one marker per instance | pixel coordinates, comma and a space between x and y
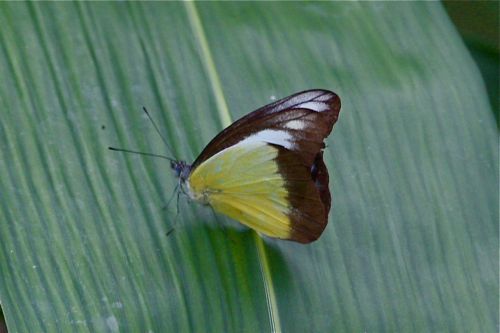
304, 119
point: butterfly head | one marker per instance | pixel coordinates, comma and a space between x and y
181, 169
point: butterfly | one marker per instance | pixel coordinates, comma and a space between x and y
266, 170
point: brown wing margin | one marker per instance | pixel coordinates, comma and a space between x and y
275, 116
308, 194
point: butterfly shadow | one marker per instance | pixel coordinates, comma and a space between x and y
233, 246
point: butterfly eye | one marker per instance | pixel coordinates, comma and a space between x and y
177, 167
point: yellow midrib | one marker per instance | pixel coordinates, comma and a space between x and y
225, 117
194, 20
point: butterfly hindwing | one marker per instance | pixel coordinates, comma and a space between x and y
246, 183
308, 195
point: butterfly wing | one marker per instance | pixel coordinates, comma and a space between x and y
266, 170
246, 183
299, 122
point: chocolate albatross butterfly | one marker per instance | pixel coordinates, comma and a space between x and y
266, 170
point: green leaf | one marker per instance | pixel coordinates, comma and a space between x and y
412, 243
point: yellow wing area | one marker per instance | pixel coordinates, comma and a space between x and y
243, 182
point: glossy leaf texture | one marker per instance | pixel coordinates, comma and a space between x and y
412, 242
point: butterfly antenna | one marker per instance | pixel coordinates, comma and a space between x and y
158, 131
142, 153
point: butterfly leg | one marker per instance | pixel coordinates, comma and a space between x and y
176, 191
175, 194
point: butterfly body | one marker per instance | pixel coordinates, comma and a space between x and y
266, 170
